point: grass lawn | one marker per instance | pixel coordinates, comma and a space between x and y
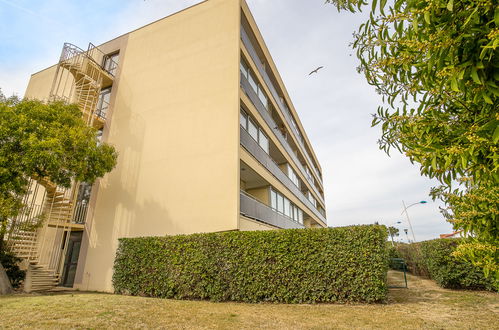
423, 305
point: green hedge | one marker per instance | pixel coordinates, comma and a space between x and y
346, 264
434, 259
415, 261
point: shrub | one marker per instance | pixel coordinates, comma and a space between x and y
414, 260
347, 264
10, 264
434, 259
449, 271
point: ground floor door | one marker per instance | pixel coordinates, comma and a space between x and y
71, 259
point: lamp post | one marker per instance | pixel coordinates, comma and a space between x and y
407, 215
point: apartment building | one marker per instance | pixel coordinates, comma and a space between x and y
208, 141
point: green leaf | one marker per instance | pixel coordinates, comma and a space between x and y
487, 98
454, 85
474, 75
427, 17
382, 5
495, 136
415, 24
450, 5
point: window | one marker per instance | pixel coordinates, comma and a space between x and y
243, 119
263, 141
111, 63
285, 207
255, 132
293, 176
273, 199
103, 102
257, 88
244, 69
311, 198
262, 97
252, 82
252, 129
280, 203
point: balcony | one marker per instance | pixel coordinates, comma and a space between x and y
263, 158
284, 109
251, 208
271, 123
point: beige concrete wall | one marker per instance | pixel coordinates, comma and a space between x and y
247, 224
40, 84
261, 194
175, 126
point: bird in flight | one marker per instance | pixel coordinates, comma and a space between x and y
316, 70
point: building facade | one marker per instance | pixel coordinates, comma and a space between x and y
207, 136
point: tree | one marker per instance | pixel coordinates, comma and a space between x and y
45, 140
435, 63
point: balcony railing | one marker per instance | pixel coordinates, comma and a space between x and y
263, 158
284, 109
80, 212
254, 209
271, 123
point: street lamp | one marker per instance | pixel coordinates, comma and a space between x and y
407, 215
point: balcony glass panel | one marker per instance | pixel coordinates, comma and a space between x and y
252, 208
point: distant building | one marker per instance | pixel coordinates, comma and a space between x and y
207, 136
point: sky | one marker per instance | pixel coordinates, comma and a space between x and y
362, 183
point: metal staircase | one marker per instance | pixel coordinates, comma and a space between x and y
39, 234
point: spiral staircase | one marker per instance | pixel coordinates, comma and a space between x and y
39, 234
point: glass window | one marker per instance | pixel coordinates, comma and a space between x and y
273, 199
300, 216
243, 119
252, 82
111, 63
103, 102
263, 141
262, 97
287, 207
252, 130
244, 69
280, 203
296, 216
311, 198
292, 176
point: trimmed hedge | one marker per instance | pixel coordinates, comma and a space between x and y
347, 264
434, 259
